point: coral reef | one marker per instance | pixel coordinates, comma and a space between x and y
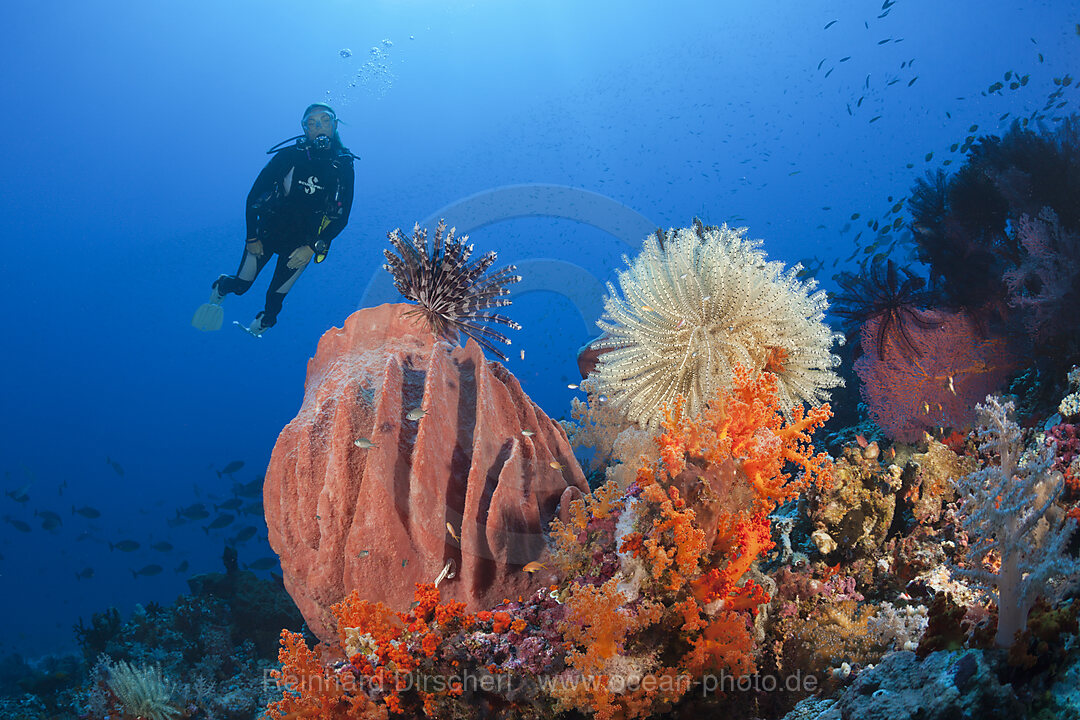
656, 590
857, 511
895, 306
619, 446
1069, 407
1001, 233
1045, 284
696, 302
205, 656
929, 481
944, 686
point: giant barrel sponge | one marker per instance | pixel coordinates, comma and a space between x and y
412, 460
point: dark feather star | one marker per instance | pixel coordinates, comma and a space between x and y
899, 305
453, 294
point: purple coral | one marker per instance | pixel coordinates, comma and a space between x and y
1044, 284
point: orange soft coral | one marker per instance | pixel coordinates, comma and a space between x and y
598, 620
501, 622
740, 439
674, 547
312, 691
747, 426
375, 619
727, 645
385, 662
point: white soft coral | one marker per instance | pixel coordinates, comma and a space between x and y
1012, 523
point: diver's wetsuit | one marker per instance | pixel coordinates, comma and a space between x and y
303, 195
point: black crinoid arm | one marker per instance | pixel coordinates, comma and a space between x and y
899, 303
454, 295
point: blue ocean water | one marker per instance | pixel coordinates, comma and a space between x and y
134, 130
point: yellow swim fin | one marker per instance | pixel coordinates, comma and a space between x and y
209, 315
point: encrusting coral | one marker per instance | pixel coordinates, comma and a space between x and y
696, 302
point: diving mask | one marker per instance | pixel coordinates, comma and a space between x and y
319, 119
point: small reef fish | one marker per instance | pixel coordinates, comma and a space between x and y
416, 413
363, 553
244, 535
125, 546
232, 467
861, 440
219, 522
556, 465
85, 574
86, 511
193, 512
527, 433
533, 566
450, 529
230, 504
265, 563
20, 496
952, 388
182, 567
572, 386
17, 524
162, 546
523, 353
115, 466
147, 570
364, 443
250, 489
49, 519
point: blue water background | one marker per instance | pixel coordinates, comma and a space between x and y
132, 132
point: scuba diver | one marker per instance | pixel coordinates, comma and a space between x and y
299, 203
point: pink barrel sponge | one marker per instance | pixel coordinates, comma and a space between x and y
412, 460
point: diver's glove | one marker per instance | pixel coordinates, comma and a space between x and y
321, 248
300, 257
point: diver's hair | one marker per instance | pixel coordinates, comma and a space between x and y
335, 141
